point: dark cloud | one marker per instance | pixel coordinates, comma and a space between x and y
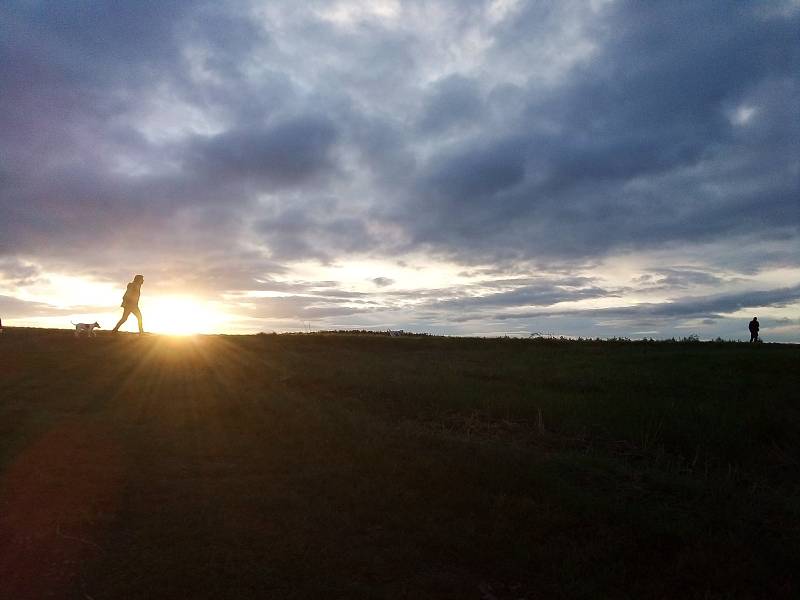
725, 303
677, 277
454, 101
283, 154
307, 307
310, 231
11, 308
18, 273
637, 147
705, 307
475, 174
382, 281
785, 321
543, 293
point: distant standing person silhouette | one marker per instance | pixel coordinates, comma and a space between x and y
130, 303
753, 327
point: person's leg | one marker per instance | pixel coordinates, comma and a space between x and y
138, 314
125, 314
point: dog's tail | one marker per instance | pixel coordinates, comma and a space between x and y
71, 322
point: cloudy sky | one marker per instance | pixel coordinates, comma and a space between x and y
584, 168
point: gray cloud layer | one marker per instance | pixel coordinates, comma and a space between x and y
214, 143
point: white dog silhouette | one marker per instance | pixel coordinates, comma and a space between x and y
87, 328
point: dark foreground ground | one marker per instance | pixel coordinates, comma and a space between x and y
368, 467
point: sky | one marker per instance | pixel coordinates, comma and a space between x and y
594, 168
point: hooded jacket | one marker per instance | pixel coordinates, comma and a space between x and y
131, 297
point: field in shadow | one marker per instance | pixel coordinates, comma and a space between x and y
334, 466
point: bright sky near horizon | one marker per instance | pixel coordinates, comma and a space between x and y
583, 168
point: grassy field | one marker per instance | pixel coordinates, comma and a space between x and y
314, 466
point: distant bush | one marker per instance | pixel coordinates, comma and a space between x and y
372, 332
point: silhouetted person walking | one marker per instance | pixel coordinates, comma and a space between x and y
753, 327
130, 303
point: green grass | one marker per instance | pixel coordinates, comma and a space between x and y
311, 466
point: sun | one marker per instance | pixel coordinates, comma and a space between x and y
181, 315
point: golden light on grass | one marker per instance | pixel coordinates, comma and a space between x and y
180, 315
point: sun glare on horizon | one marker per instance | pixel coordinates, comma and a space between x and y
181, 315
